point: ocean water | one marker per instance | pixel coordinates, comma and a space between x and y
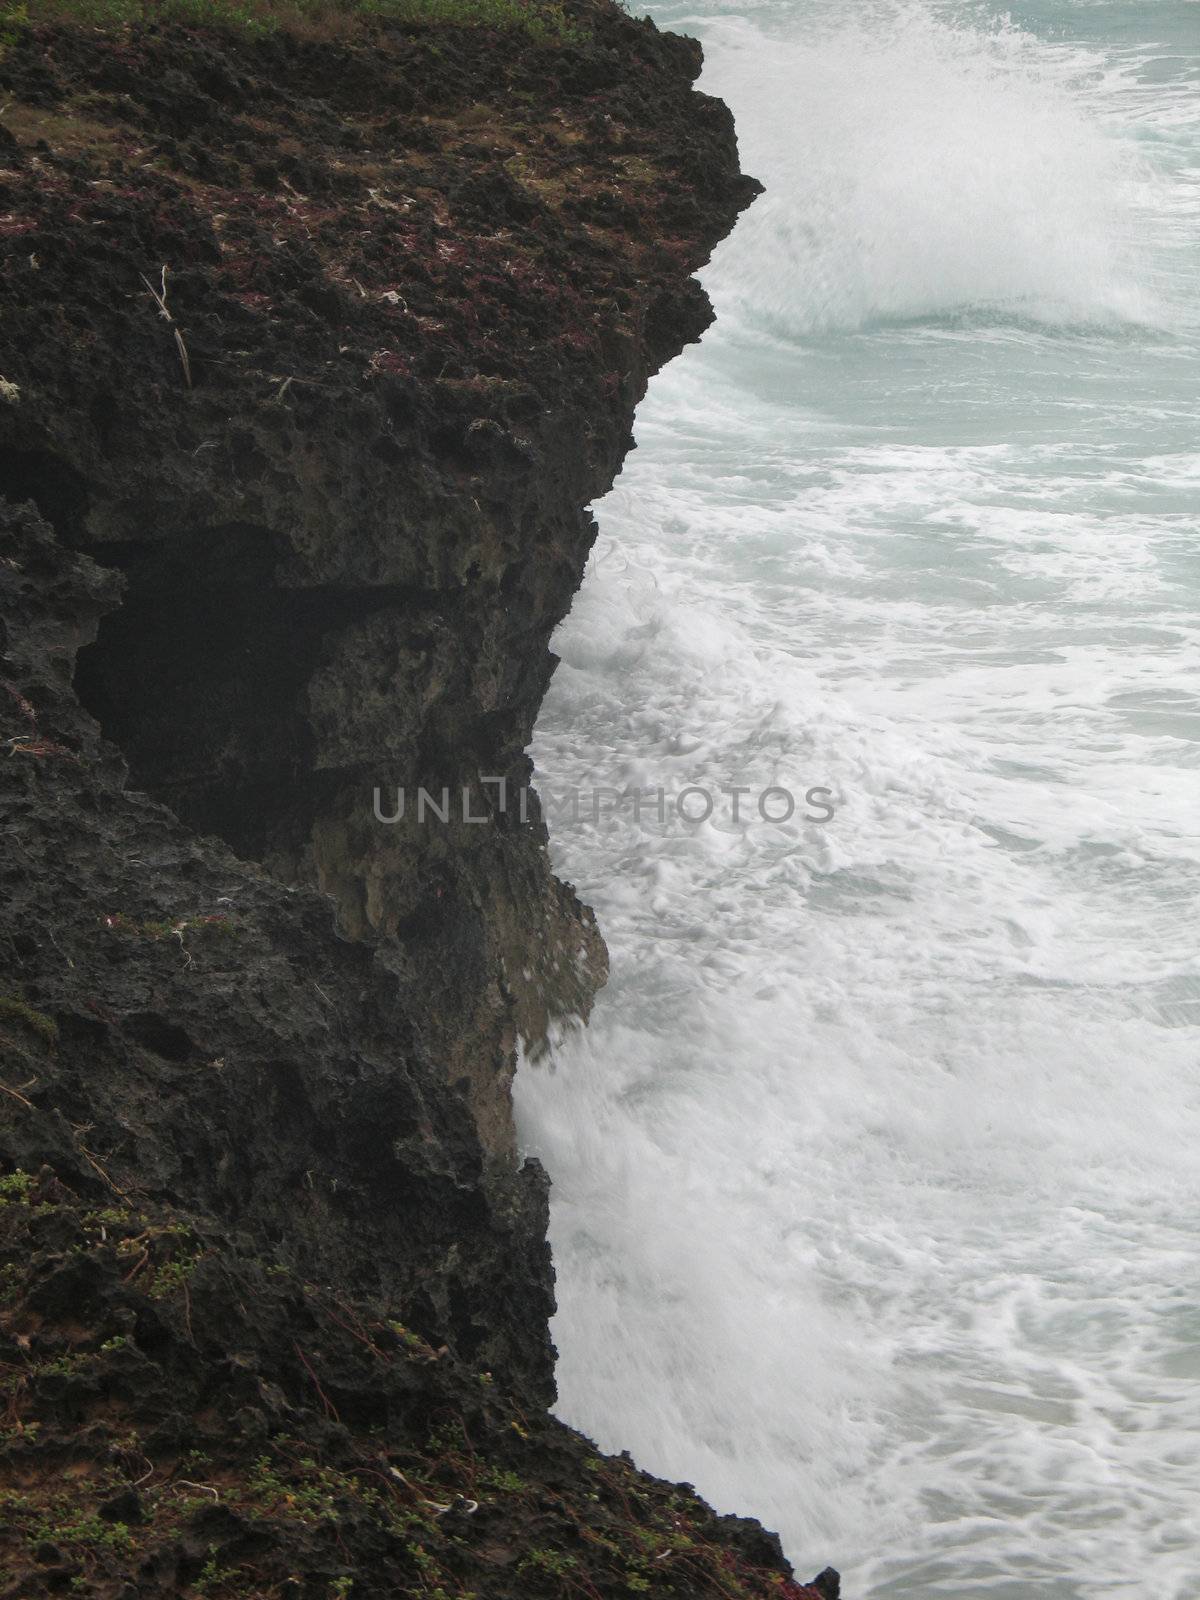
876, 1174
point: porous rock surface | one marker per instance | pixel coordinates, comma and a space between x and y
314, 353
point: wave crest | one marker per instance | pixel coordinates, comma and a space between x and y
917, 167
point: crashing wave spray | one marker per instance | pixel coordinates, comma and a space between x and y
874, 1174
917, 167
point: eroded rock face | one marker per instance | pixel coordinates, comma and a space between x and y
314, 355
215, 1044
412, 295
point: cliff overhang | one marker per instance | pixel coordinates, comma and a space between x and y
315, 352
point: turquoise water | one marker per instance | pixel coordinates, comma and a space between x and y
875, 1172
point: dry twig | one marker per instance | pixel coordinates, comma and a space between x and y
159, 297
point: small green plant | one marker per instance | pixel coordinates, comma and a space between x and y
18, 1430
506, 1482
13, 1009
172, 1276
13, 20
15, 1188
59, 1366
412, 1342
212, 1574
82, 1533
421, 1556
555, 1562
311, 1498
110, 1217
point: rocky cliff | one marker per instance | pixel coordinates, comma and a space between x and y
317, 343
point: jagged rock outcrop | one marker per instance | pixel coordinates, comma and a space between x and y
315, 352
408, 293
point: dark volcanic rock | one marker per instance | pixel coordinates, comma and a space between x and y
314, 355
335, 400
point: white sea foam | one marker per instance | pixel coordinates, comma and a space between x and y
874, 1174
918, 167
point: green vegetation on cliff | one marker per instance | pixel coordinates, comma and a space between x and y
542, 20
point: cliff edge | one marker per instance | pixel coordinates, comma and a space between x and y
317, 342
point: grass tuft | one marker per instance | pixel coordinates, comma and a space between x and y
14, 1010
